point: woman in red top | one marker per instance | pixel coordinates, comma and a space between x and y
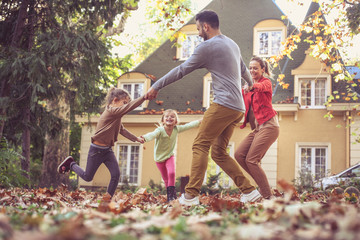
264, 124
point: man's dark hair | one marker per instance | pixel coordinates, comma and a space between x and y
209, 17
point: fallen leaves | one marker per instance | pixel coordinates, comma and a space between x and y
62, 214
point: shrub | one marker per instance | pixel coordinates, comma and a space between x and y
11, 174
305, 182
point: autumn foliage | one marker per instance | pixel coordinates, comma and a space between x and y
61, 214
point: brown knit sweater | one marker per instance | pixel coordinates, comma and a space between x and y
109, 125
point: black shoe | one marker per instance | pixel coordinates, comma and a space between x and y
174, 192
65, 165
171, 195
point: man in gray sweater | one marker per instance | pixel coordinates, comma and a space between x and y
221, 56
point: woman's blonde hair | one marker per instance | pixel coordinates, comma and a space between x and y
115, 93
169, 111
263, 64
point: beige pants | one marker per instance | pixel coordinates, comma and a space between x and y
250, 152
216, 130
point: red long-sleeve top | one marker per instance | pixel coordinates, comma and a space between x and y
259, 98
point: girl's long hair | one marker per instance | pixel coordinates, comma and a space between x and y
115, 93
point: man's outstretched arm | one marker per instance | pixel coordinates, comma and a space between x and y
151, 94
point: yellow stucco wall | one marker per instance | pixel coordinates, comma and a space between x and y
306, 126
310, 126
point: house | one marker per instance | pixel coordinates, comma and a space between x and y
308, 141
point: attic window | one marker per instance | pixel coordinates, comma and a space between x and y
269, 43
188, 39
188, 46
268, 35
137, 84
135, 89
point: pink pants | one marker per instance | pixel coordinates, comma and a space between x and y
167, 170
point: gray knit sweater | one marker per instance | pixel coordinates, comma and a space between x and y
221, 56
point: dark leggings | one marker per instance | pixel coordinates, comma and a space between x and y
98, 155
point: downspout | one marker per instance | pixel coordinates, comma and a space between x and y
347, 141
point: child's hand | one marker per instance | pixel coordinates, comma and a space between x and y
141, 139
200, 120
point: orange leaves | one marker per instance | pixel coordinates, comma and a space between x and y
287, 100
159, 102
280, 77
151, 77
281, 82
219, 203
190, 111
289, 189
155, 112
151, 112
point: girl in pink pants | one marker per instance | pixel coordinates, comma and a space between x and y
165, 141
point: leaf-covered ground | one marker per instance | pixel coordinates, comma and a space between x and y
43, 214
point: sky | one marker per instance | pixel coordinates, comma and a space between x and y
292, 9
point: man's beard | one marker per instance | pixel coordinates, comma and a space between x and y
205, 36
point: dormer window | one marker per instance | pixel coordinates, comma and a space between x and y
269, 42
135, 89
137, 84
268, 35
188, 42
189, 45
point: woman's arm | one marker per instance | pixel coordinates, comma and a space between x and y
264, 86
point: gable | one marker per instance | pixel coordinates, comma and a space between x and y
237, 21
311, 66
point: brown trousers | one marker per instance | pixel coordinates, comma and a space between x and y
215, 131
250, 152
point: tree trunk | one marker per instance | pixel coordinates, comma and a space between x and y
25, 161
57, 147
26, 140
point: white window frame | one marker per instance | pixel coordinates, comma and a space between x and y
257, 31
123, 82
312, 145
180, 44
313, 78
207, 81
231, 147
128, 144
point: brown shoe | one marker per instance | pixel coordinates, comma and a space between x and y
65, 165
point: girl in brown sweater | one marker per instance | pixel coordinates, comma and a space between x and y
118, 103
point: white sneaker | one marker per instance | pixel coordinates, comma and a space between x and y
189, 202
250, 197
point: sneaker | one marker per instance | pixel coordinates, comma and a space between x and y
65, 165
189, 202
250, 197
